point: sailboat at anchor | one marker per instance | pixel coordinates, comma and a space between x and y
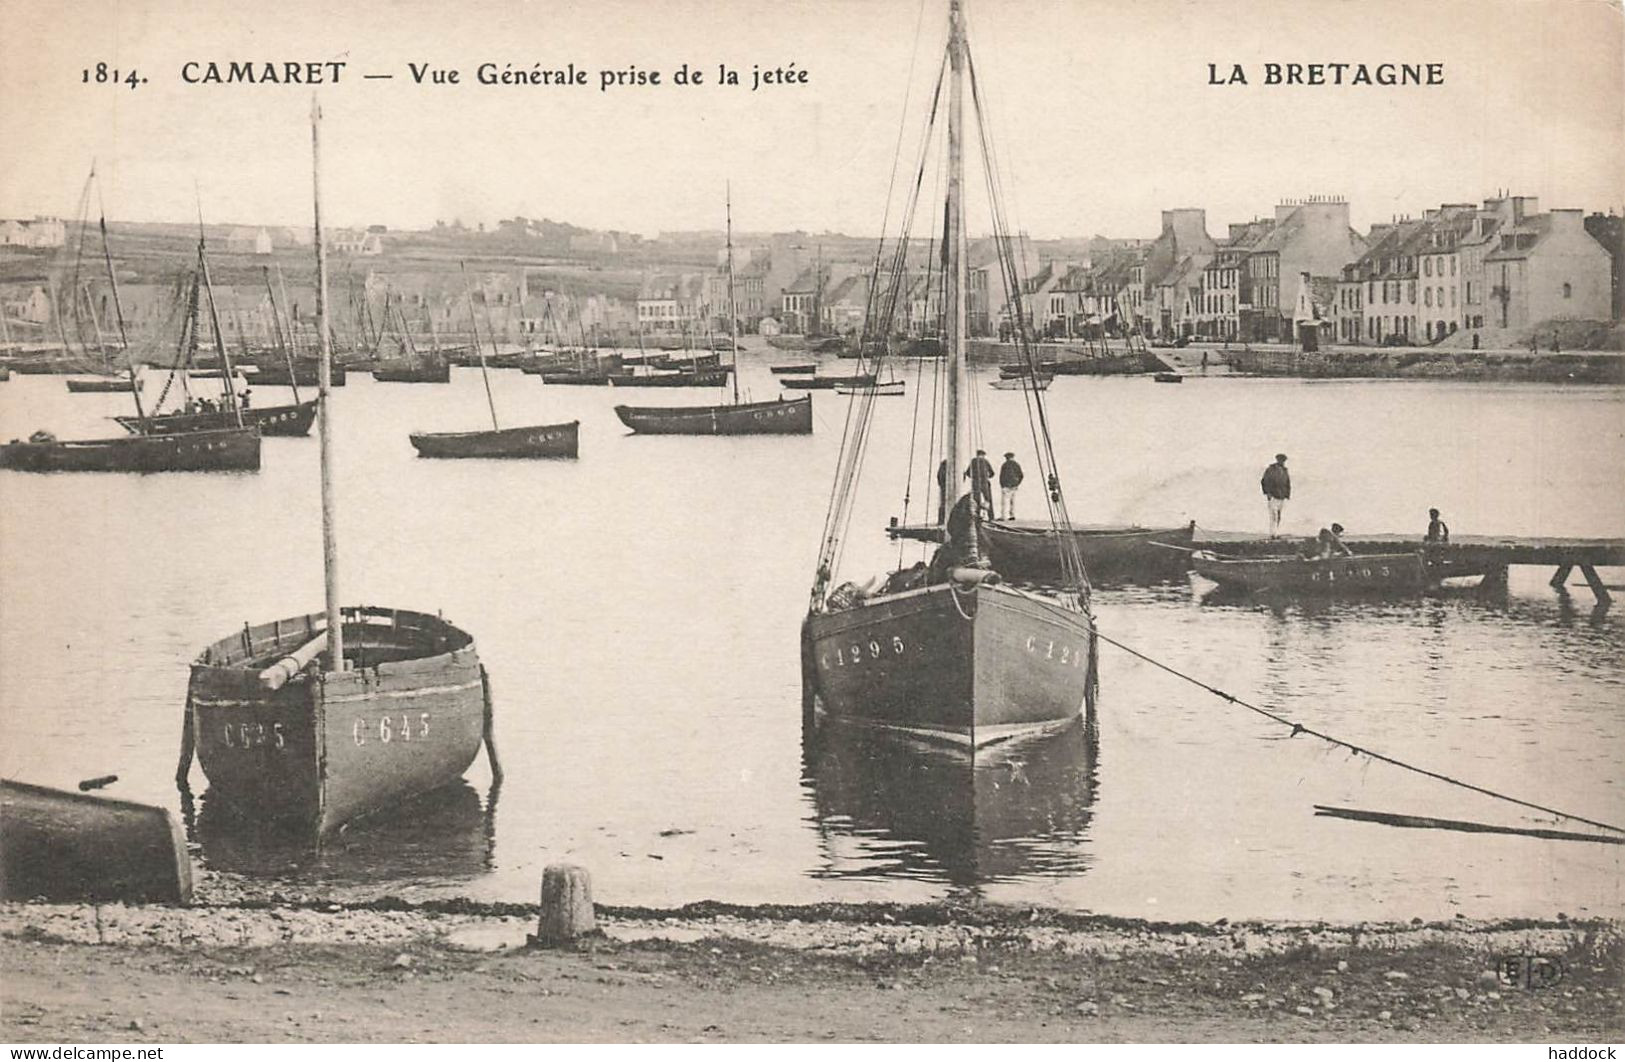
946, 650
320, 719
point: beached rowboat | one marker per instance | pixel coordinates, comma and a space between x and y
65, 846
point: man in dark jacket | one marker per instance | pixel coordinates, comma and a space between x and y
980, 474
1010, 477
1438, 530
1277, 489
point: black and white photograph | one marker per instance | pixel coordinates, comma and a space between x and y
839, 521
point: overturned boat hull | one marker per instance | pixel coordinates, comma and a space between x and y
65, 846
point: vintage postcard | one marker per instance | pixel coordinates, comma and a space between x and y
843, 520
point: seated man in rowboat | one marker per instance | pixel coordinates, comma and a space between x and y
1329, 543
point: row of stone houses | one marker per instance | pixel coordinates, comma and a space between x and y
1501, 264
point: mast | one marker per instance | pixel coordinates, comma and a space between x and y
330, 549
286, 345
955, 252
479, 351
219, 334
733, 310
118, 310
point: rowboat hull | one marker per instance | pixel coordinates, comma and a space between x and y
233, 450
64, 846
793, 417
304, 375
1363, 574
412, 372
889, 389
1031, 552
542, 440
702, 378
293, 419
578, 379
828, 383
803, 369
1022, 383
962, 666
328, 748
79, 386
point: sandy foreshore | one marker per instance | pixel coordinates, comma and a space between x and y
451, 972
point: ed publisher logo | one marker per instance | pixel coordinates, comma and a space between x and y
1529, 972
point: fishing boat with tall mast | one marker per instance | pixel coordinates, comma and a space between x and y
232, 446
320, 719
538, 440
777, 417
945, 650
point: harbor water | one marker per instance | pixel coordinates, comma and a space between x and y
639, 612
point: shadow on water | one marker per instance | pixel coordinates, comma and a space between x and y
1018, 809
440, 836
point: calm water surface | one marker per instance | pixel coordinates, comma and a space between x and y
639, 611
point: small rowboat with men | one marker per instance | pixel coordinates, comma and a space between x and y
1361, 574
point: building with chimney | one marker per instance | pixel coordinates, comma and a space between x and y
1309, 236
1547, 267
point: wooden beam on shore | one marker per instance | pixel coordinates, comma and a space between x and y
1427, 822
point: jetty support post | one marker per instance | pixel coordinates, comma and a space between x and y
567, 912
1560, 576
1594, 581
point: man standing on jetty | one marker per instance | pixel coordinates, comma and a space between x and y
1277, 489
1010, 477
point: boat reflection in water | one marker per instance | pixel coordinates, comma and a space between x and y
445, 835
889, 806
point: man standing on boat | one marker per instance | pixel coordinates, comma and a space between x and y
1010, 477
1277, 489
1438, 530
980, 473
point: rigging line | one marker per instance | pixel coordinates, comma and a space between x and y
1299, 728
1069, 552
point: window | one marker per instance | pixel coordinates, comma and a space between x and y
1568, 290
1427, 266
1410, 292
1427, 296
1452, 267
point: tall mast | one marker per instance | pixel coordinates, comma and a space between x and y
955, 238
286, 345
479, 351
118, 310
733, 310
220, 347
324, 378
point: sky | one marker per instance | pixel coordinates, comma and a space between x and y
1100, 110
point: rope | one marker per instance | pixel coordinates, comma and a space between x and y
1299, 728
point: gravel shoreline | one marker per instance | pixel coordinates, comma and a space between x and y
460, 971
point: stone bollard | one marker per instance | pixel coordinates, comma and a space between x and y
566, 906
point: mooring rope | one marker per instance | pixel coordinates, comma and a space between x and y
1299, 728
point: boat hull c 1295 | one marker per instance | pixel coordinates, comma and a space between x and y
963, 665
